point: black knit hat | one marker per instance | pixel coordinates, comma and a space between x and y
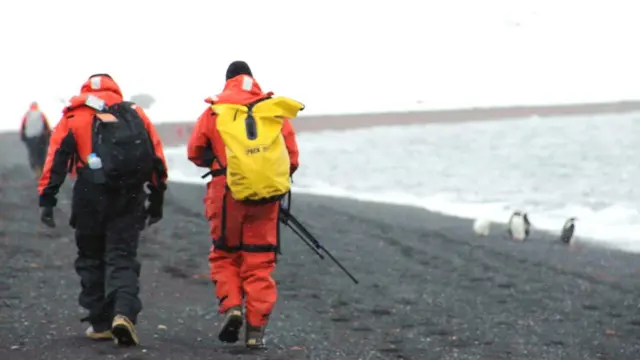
105, 75
238, 68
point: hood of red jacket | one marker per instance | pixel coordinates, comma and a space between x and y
95, 89
242, 89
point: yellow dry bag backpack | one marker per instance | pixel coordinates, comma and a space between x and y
258, 162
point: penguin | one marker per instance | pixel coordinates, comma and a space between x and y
481, 227
567, 230
519, 226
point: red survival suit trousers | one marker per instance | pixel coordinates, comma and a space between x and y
243, 255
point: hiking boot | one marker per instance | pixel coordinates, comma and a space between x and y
255, 337
231, 325
98, 335
124, 332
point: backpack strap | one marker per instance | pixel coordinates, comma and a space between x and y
250, 122
217, 172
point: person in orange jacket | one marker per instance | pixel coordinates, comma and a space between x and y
244, 236
115, 150
34, 133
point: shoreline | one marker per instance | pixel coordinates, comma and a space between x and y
176, 133
409, 218
497, 227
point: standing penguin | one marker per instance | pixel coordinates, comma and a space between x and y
567, 230
519, 226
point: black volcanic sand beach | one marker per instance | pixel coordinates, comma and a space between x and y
429, 289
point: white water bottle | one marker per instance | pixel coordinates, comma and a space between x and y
94, 161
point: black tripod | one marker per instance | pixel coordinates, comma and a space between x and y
292, 223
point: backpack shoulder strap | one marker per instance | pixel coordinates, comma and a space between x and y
122, 105
129, 104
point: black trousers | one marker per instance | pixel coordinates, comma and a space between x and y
37, 149
107, 231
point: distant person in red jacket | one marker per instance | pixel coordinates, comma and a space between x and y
35, 133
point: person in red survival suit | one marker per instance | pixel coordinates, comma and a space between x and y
107, 219
238, 270
34, 133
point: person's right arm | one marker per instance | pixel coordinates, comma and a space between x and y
200, 148
62, 148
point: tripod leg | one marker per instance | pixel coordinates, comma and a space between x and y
313, 240
303, 229
304, 240
340, 266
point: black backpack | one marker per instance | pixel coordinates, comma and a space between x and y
124, 146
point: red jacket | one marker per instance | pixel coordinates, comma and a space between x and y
73, 136
205, 139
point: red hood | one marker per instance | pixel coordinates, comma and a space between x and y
101, 87
242, 89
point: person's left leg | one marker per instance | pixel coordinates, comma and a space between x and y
123, 268
90, 266
225, 260
260, 239
32, 151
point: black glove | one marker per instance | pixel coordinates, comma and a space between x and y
154, 213
46, 216
154, 209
